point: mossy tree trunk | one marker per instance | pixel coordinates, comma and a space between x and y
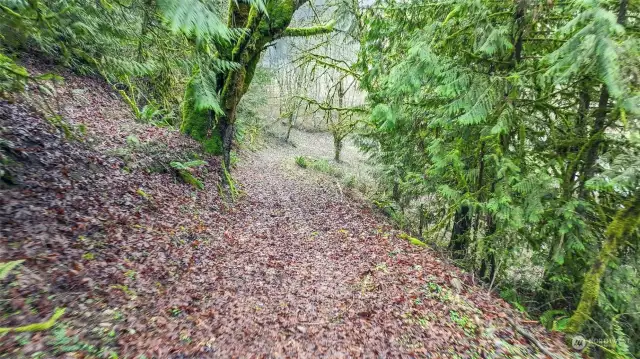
291, 121
337, 137
337, 146
626, 221
260, 30
459, 234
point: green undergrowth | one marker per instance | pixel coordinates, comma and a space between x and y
151, 156
185, 170
319, 165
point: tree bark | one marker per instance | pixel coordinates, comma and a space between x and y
337, 139
286, 139
626, 221
337, 147
488, 265
227, 131
461, 225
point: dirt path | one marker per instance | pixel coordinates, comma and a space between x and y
303, 271
146, 265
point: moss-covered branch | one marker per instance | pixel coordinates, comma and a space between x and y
253, 20
309, 31
325, 106
330, 63
37, 327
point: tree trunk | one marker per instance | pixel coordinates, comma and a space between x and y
596, 139
420, 220
337, 141
337, 147
291, 121
461, 225
230, 99
227, 131
395, 192
626, 221
488, 265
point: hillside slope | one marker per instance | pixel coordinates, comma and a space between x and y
146, 265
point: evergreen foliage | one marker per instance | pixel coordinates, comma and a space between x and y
521, 121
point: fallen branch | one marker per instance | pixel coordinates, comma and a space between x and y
531, 338
530, 321
37, 327
525, 334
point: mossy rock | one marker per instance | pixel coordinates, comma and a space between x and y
413, 240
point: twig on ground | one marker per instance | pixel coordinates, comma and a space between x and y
530, 321
531, 338
525, 334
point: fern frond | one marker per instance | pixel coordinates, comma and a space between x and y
192, 17
205, 95
16, 5
498, 42
121, 67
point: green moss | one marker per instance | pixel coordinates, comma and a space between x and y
213, 145
310, 31
250, 71
301, 161
197, 124
625, 221
280, 15
245, 37
37, 327
190, 179
413, 240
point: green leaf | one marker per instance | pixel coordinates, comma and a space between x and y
383, 117
6, 267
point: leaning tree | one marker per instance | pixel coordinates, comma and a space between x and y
224, 74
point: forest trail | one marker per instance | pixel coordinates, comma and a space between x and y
484, 201
306, 271
146, 265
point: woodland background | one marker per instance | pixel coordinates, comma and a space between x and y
504, 134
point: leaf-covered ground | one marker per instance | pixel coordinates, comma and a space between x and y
146, 265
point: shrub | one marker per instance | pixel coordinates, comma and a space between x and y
324, 166
320, 165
